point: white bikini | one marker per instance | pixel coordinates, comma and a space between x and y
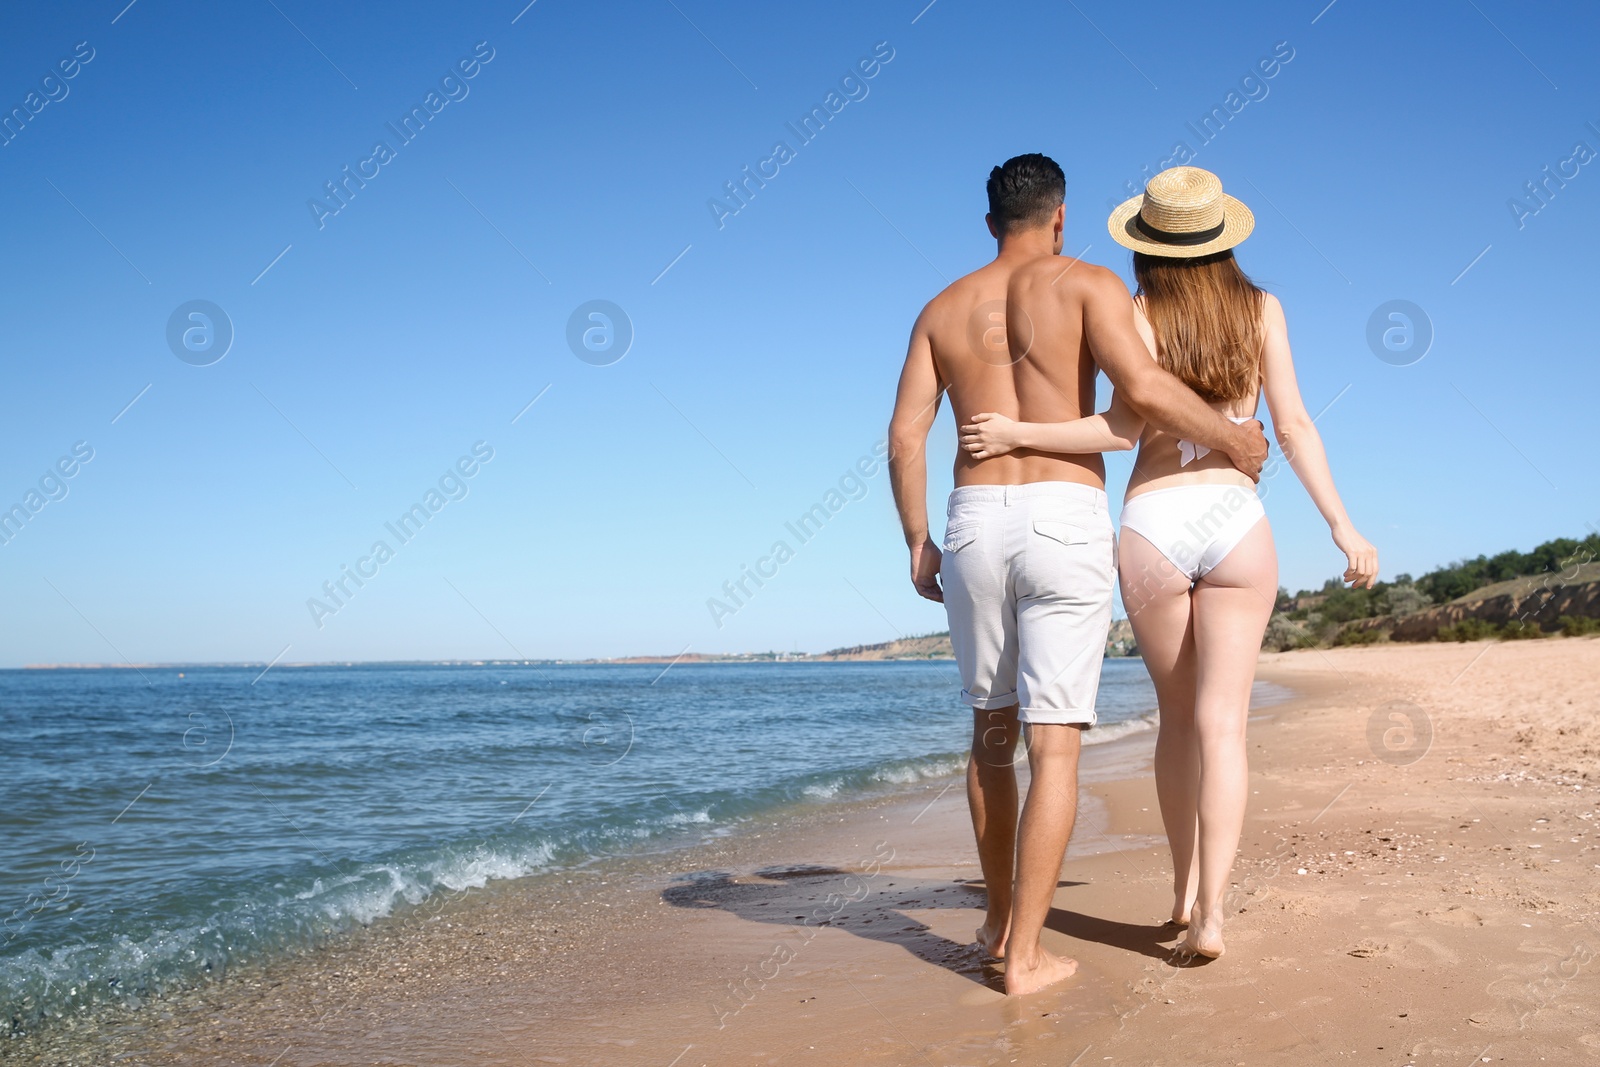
1194, 526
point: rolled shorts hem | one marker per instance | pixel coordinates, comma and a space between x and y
988, 703
1058, 716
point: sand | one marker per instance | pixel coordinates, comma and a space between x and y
1419, 883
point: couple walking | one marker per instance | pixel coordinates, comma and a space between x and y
1029, 557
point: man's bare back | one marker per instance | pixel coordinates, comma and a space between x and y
1005, 338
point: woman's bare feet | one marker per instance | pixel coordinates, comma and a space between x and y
991, 942
1182, 908
1205, 936
1043, 970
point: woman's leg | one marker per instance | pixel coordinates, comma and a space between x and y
1232, 604
1156, 596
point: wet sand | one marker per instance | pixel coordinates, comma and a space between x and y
1419, 883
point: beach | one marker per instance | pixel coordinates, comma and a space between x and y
1417, 884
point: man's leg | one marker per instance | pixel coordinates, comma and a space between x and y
992, 797
983, 634
1047, 818
1065, 577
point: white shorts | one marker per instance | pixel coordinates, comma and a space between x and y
1028, 577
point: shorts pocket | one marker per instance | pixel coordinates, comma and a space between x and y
958, 537
1064, 532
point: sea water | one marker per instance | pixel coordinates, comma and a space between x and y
160, 824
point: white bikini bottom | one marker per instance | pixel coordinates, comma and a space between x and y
1194, 526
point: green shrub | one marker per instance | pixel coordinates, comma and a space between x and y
1519, 630
1403, 598
1344, 604
1579, 625
1463, 576
1469, 630
1358, 637
1284, 633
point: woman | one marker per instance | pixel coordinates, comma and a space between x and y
1198, 570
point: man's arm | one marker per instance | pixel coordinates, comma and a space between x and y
1160, 397
916, 403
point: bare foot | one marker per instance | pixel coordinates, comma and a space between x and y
1205, 938
1181, 909
1046, 969
992, 943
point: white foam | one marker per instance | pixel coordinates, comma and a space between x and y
918, 772
125, 968
477, 868
1116, 731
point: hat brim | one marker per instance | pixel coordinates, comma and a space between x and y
1237, 222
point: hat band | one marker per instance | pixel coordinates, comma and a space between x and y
1170, 237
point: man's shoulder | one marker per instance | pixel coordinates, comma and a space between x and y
1064, 282
953, 298
1064, 274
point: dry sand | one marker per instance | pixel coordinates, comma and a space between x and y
1419, 883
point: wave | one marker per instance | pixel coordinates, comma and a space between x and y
893, 773
1105, 733
283, 914
216, 927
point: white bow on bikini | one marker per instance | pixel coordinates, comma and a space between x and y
1188, 452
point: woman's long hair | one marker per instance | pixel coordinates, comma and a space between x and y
1206, 314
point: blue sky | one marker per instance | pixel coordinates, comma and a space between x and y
375, 350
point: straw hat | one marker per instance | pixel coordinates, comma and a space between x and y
1183, 213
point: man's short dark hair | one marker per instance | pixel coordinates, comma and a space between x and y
1025, 191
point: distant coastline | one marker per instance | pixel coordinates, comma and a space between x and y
934, 646
1553, 589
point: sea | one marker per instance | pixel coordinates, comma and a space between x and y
159, 825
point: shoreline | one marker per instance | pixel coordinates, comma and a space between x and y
240, 988
340, 961
82, 972
1399, 897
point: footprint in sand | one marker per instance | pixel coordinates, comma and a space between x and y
1455, 915
1367, 948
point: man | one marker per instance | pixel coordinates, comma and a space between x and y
1028, 561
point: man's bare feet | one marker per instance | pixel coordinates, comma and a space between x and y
1043, 970
991, 942
1205, 937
